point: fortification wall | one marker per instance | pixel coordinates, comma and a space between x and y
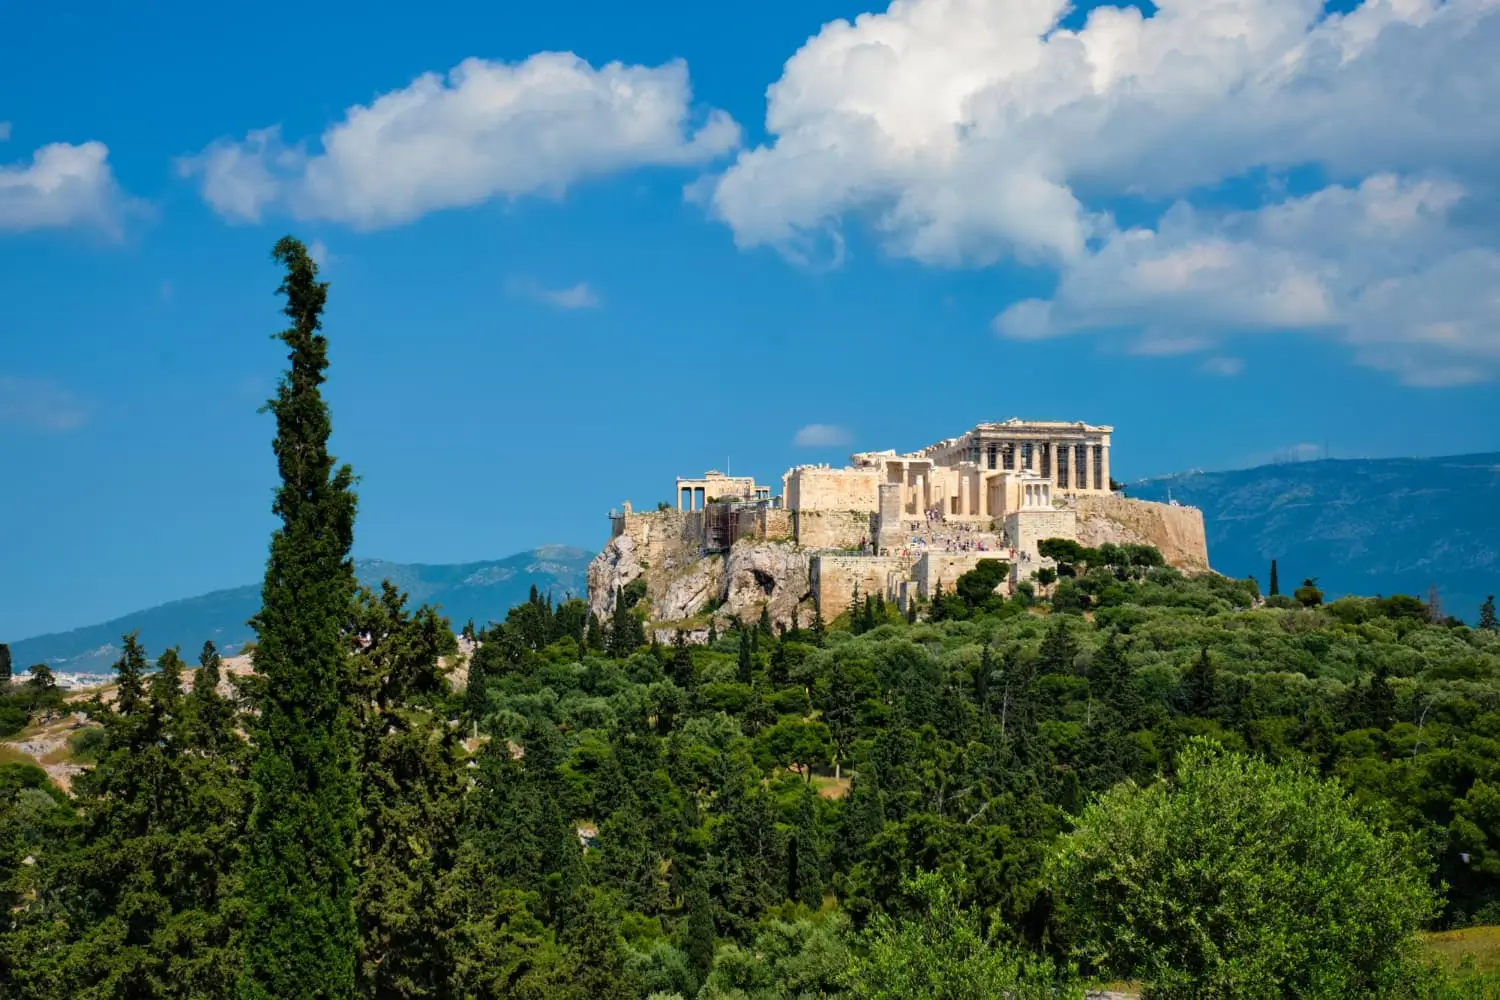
832, 529
835, 577
1176, 531
813, 488
945, 568
776, 524
1028, 528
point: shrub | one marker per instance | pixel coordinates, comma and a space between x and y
1240, 880
88, 743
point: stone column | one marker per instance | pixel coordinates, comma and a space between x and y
1105, 485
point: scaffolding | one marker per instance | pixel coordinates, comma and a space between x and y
727, 522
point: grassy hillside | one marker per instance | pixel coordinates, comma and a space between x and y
478, 590
1366, 526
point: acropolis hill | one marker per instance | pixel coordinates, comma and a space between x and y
893, 524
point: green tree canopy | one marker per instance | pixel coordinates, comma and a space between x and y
1239, 879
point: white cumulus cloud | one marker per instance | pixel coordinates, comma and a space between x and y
63, 185
1384, 266
484, 130
822, 436
39, 404
974, 131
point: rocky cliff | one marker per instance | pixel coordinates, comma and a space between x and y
683, 586
686, 589
1177, 532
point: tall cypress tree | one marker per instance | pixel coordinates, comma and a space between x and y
1199, 686
1486, 617
4, 663
744, 663
1275, 586
301, 935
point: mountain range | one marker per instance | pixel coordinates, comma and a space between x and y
1359, 526
478, 590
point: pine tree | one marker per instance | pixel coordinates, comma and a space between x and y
1486, 618
301, 938
594, 634
5, 669
1275, 587
699, 932
818, 628
1380, 700
145, 904
411, 797
1059, 652
166, 692
477, 685
626, 633
596, 967
855, 606
682, 662
806, 849
1200, 685
130, 671
763, 626
779, 674
1114, 684
212, 714
982, 674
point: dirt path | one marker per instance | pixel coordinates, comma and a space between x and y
47, 744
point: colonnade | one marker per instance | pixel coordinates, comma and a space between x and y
1068, 464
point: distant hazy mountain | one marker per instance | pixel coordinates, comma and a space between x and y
479, 590
1364, 526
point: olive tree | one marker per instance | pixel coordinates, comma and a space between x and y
1239, 879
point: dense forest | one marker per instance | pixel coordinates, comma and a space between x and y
1118, 774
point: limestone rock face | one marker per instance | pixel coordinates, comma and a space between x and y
681, 585
616, 565
1176, 531
686, 593
767, 574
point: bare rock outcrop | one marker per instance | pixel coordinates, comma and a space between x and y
683, 584
769, 575
686, 592
1177, 532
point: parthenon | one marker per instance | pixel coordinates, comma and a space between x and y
986, 473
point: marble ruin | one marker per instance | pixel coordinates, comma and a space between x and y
899, 524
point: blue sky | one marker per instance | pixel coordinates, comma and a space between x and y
1233, 230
